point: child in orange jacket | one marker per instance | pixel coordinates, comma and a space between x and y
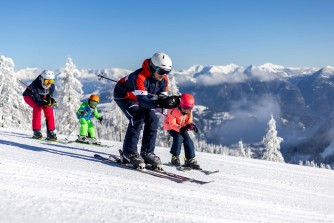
178, 122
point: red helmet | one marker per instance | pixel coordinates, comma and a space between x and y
187, 101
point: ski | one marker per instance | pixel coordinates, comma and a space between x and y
186, 168
110, 160
160, 173
168, 173
74, 141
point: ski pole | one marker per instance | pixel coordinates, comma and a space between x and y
97, 134
71, 131
25, 85
31, 90
101, 76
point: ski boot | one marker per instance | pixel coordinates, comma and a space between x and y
51, 135
153, 160
175, 161
135, 159
192, 163
82, 139
93, 141
37, 134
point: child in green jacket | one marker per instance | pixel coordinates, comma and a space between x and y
84, 114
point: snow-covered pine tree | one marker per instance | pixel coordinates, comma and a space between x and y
114, 123
172, 88
69, 94
241, 148
13, 109
272, 143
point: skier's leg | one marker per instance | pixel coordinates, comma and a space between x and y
176, 147
189, 148
83, 127
91, 129
36, 112
49, 117
135, 116
150, 131
177, 142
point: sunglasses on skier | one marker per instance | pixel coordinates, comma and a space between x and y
161, 71
187, 107
48, 81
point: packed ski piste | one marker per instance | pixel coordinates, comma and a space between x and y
138, 95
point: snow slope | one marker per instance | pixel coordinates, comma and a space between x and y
42, 182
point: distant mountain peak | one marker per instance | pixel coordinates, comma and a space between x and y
327, 71
269, 67
221, 69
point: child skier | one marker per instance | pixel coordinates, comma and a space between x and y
84, 114
39, 96
178, 122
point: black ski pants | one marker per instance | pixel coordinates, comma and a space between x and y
137, 117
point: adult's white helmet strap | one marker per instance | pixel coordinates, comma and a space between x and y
162, 60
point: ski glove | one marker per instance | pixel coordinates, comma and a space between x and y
53, 102
193, 127
189, 127
168, 102
49, 101
100, 119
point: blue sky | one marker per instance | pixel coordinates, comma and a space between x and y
107, 33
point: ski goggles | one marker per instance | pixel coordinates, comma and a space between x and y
162, 71
48, 81
94, 103
185, 107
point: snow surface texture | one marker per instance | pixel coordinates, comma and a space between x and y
41, 182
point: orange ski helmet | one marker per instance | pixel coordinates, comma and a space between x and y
94, 97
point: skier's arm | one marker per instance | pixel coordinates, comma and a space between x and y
82, 112
142, 94
96, 113
52, 90
172, 120
38, 99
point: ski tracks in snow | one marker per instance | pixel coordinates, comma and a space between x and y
41, 182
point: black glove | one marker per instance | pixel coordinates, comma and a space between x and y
168, 102
193, 127
53, 102
47, 101
100, 119
189, 127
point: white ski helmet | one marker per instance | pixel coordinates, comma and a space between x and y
47, 75
162, 60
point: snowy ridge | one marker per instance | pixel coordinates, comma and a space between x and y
43, 182
214, 75
206, 75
